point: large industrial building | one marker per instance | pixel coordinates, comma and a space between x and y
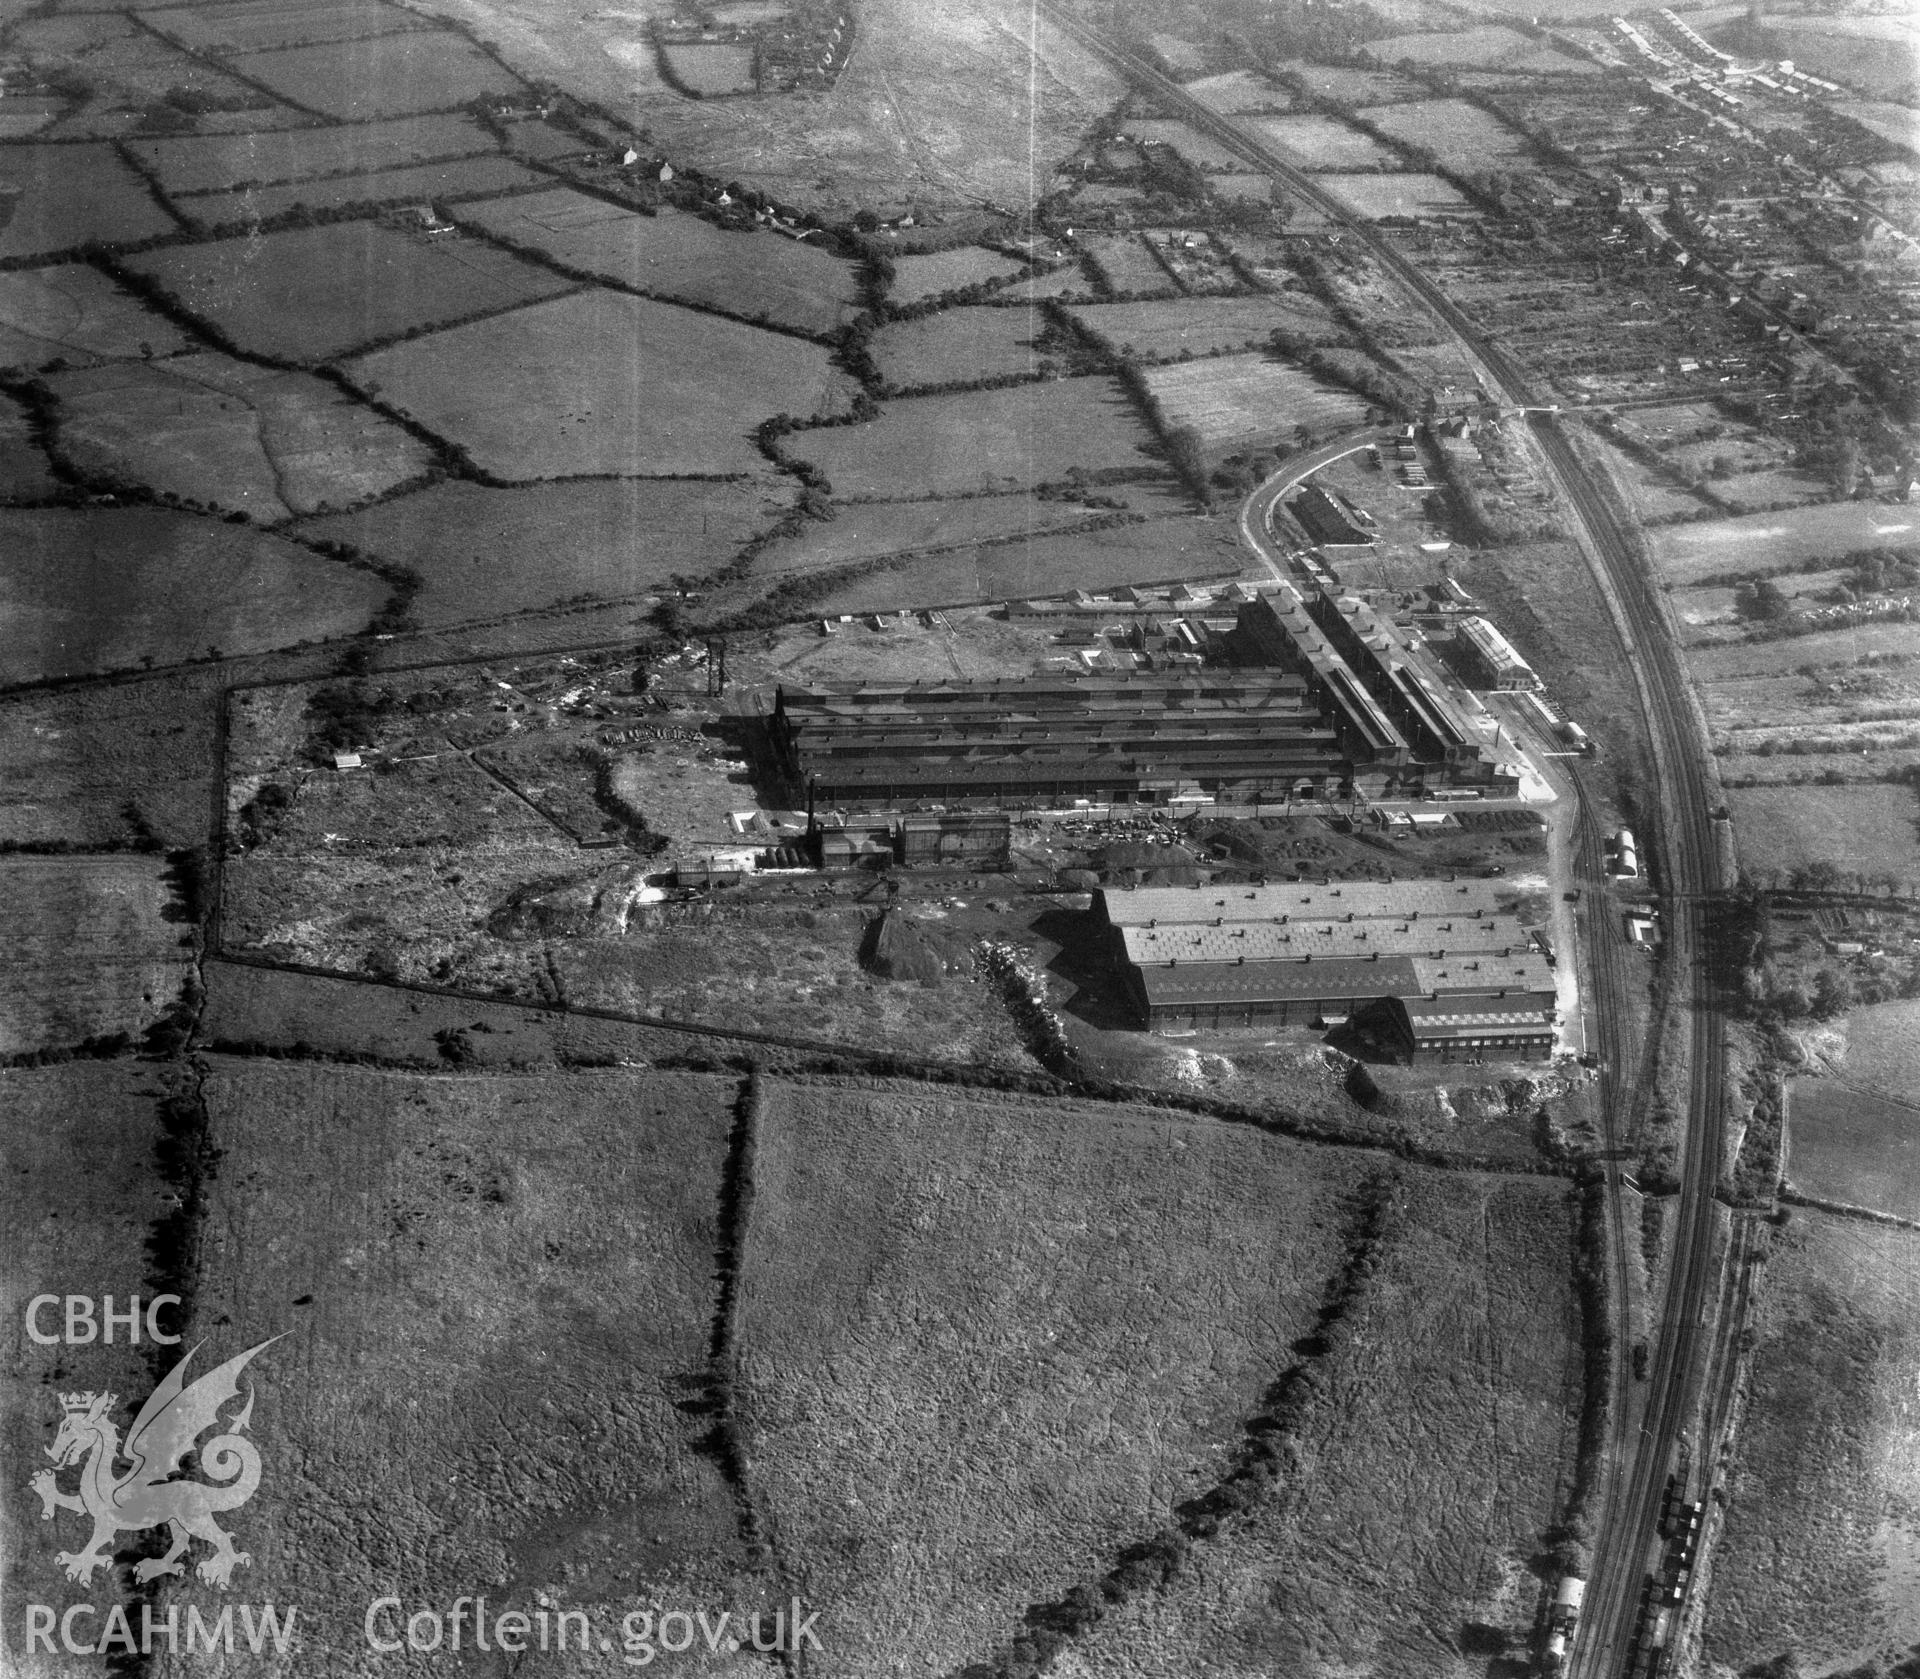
1349, 708
1494, 661
1427, 970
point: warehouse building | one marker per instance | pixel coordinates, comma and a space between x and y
1324, 519
1423, 970
1494, 661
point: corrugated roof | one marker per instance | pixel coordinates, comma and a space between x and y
1301, 937
1362, 899
1275, 982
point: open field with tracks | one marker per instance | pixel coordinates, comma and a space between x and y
1883, 1049
231, 435
1855, 1147
1116, 1288
604, 382
1237, 400
984, 441
1820, 1557
77, 315
752, 276
313, 293
111, 588
607, 537
1866, 829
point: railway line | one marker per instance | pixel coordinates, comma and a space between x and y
1685, 851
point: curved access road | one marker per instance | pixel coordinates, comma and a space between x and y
1682, 848
1256, 512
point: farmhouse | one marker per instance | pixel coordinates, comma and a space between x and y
1421, 969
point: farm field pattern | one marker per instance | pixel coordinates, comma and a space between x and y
437, 445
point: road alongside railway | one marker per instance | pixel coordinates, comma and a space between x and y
1682, 843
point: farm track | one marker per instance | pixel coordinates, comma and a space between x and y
1684, 846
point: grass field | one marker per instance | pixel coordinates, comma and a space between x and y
1321, 143
434, 183
1871, 829
713, 70
1240, 90
1492, 46
256, 25
674, 255
106, 588
81, 1199
1429, 1469
863, 530
1861, 643
91, 954
1763, 543
1242, 399
1821, 1552
214, 163
497, 1291
959, 345
387, 76
231, 434
981, 441
963, 1399
1204, 325
603, 382
596, 537
76, 314
1883, 1049
1128, 267
1349, 86
1409, 195
26, 475
310, 294
1463, 134
1202, 151
73, 195
1854, 1147
926, 274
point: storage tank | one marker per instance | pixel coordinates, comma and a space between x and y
1575, 736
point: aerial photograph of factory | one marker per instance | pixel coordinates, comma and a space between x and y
988, 839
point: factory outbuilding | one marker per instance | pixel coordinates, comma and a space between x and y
1494, 661
1421, 970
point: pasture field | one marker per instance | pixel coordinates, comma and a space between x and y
1429, 1468
1349, 86
481, 552
1869, 828
1878, 56
960, 345
256, 25
25, 472
676, 255
981, 442
1128, 267
1771, 486
713, 70
1249, 398
75, 195
76, 314
927, 274
1019, 1381
434, 183
1896, 124
1860, 642
505, 1286
1240, 90
1159, 551
91, 953
218, 162
309, 294
1764, 543
1820, 1554
1883, 1049
82, 1197
1855, 1147
230, 434
865, 530
1203, 326
1201, 150
108, 588
76, 765
1408, 195
1462, 134
1317, 142
1492, 46
604, 382
397, 75
119, 70
1068, 280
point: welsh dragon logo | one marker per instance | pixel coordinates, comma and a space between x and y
145, 1495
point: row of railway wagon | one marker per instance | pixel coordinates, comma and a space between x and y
1681, 1520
